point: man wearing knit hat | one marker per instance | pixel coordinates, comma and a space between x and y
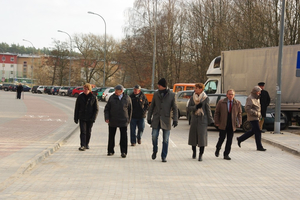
159, 117
252, 108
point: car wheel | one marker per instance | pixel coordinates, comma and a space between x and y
246, 125
76, 95
63, 94
5, 89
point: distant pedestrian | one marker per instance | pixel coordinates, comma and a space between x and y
252, 108
264, 103
86, 111
139, 108
117, 113
159, 117
19, 90
201, 117
228, 116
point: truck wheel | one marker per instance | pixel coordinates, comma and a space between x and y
246, 125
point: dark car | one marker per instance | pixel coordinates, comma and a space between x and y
70, 90
5, 86
246, 125
47, 89
54, 90
34, 89
26, 88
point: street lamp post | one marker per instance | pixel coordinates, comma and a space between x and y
104, 46
32, 59
70, 54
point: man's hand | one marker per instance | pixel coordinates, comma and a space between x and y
76, 121
199, 105
175, 123
149, 121
107, 121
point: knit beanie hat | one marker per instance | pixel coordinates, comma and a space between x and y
162, 82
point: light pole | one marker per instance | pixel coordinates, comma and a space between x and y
154, 48
32, 59
104, 46
3, 75
70, 54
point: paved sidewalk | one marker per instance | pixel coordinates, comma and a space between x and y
31, 129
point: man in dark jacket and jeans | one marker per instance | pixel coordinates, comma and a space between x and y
86, 111
117, 113
139, 108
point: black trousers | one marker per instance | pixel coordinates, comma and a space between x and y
255, 130
111, 139
222, 136
19, 95
85, 132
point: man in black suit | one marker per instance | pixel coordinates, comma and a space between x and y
264, 102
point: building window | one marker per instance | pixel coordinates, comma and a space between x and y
3, 58
11, 66
12, 58
11, 72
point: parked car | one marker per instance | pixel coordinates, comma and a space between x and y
107, 93
26, 88
63, 90
77, 91
70, 90
47, 89
0, 86
181, 99
34, 89
246, 125
5, 86
100, 93
12, 87
54, 90
40, 89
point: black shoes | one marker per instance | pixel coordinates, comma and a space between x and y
217, 152
87, 147
123, 155
110, 154
238, 141
153, 155
261, 149
227, 157
81, 148
133, 144
139, 141
163, 160
194, 155
200, 157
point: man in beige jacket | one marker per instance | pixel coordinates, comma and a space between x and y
228, 116
252, 108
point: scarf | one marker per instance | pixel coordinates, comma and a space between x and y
199, 99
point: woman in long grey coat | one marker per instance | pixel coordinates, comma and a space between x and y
200, 117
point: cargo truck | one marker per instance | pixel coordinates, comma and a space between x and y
241, 70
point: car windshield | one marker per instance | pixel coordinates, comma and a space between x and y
242, 99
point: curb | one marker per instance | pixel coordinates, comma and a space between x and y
283, 147
44, 154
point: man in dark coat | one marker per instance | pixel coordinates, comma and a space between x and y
86, 111
117, 113
264, 103
139, 108
19, 90
159, 116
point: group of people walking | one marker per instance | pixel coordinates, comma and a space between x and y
122, 110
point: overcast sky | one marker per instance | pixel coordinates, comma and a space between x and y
39, 20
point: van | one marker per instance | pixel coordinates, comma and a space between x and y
183, 86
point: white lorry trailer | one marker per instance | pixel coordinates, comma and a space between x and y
241, 70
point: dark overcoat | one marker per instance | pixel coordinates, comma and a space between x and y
198, 127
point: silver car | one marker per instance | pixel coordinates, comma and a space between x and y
181, 100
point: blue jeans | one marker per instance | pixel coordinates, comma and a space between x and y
165, 143
140, 123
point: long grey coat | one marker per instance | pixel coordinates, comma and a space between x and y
161, 108
198, 128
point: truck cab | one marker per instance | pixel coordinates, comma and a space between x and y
213, 83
